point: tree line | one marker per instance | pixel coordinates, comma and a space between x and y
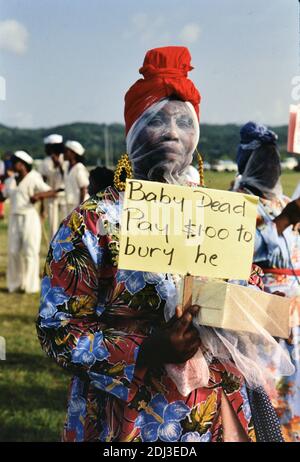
103, 141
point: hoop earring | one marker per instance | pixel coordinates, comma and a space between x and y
123, 164
200, 168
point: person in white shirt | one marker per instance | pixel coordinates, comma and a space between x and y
24, 228
77, 175
52, 169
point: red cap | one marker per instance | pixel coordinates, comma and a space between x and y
165, 73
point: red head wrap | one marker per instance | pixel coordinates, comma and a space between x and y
165, 73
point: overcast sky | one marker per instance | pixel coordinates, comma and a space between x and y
73, 60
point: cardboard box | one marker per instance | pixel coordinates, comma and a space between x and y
235, 307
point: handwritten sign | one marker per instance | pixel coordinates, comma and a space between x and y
182, 230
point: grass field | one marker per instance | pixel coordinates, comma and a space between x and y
222, 180
32, 388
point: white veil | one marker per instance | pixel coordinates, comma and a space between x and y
148, 159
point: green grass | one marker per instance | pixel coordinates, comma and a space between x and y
222, 180
33, 389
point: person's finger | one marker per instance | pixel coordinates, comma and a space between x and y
184, 322
178, 311
194, 309
187, 318
176, 316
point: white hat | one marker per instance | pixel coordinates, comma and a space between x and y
24, 156
75, 147
53, 139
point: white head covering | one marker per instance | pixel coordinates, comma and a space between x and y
75, 147
24, 156
191, 175
147, 159
53, 139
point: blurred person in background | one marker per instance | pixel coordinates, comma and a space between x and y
6, 170
276, 250
76, 176
8, 163
52, 169
24, 229
100, 178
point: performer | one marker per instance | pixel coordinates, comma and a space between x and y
277, 249
108, 326
24, 229
52, 169
76, 176
6, 171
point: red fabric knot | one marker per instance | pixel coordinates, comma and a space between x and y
150, 72
165, 73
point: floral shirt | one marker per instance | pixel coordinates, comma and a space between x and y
92, 321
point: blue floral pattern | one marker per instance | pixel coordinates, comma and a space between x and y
51, 299
135, 281
91, 242
62, 242
77, 409
195, 437
89, 349
246, 405
160, 420
106, 383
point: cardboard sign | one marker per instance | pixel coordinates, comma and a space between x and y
239, 308
182, 230
293, 145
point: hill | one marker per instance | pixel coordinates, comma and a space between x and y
216, 141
